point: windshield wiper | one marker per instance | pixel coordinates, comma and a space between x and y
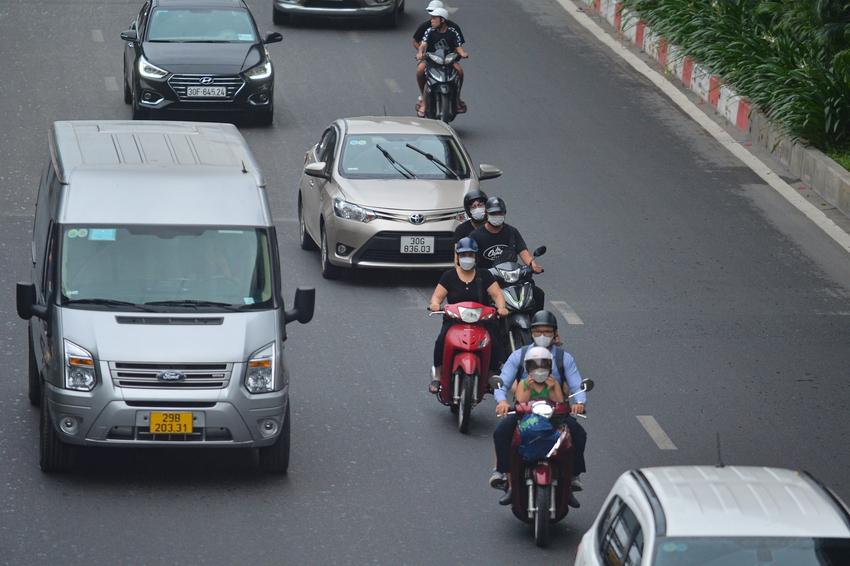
192, 303
407, 172
106, 303
435, 161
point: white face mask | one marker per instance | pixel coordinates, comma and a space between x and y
496, 220
466, 263
478, 214
544, 341
540, 375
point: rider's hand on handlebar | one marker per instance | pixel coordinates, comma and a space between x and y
536, 268
577, 409
434, 307
502, 409
502, 311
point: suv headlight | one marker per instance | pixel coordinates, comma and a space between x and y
261, 371
150, 71
79, 368
352, 212
262, 71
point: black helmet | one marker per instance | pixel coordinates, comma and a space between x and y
544, 318
495, 204
472, 196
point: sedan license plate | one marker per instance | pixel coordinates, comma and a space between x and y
171, 423
417, 244
206, 91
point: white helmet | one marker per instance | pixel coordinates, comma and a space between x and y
538, 357
434, 4
441, 12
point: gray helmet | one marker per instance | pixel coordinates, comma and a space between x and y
472, 196
497, 205
544, 318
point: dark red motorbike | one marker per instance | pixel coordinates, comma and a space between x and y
466, 358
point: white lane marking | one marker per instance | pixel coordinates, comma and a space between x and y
656, 432
393, 86
568, 312
355, 37
97, 36
798, 201
449, 10
111, 83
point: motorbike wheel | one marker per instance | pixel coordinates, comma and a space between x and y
519, 337
34, 389
467, 394
542, 500
446, 108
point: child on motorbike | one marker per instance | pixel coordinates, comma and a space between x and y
540, 383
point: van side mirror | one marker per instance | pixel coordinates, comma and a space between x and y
316, 169
27, 302
305, 303
129, 35
488, 172
273, 37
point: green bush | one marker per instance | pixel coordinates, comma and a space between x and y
790, 58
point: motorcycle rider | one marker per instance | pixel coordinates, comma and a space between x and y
474, 205
466, 283
496, 238
544, 328
417, 39
439, 36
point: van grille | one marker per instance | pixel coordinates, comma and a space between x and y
232, 83
197, 376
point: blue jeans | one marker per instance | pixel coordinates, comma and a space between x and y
503, 435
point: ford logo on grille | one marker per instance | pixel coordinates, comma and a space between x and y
170, 376
206, 80
417, 219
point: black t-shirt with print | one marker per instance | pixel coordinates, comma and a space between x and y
420, 31
460, 291
448, 40
464, 230
490, 245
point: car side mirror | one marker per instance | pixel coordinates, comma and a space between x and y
273, 37
129, 35
26, 302
305, 304
317, 169
488, 172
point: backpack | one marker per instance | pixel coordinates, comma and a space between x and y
537, 436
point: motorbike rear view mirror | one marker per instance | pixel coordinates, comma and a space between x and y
316, 170
305, 303
587, 384
488, 172
539, 251
496, 382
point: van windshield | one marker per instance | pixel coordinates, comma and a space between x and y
162, 268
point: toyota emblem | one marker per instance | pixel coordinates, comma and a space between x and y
206, 80
417, 218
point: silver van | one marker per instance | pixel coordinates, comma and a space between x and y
155, 311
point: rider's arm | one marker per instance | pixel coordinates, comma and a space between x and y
438, 297
573, 379
498, 298
416, 44
508, 375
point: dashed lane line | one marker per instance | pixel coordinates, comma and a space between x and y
568, 312
656, 433
111, 83
393, 86
97, 36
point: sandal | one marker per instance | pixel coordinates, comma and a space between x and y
434, 387
461, 107
420, 110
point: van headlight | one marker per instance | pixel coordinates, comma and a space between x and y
79, 368
260, 375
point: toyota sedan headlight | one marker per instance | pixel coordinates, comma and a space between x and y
79, 368
261, 373
150, 71
262, 71
352, 212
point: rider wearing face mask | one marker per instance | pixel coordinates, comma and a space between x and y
474, 203
544, 330
466, 283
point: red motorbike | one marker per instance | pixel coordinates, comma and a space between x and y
466, 358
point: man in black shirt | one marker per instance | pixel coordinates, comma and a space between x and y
474, 205
441, 35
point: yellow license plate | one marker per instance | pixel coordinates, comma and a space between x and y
171, 423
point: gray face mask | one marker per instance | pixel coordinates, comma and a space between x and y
478, 214
540, 375
466, 263
496, 220
544, 341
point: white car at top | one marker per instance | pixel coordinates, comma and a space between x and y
718, 516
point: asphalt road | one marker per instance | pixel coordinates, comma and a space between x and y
708, 303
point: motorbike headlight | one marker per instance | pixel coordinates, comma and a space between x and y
352, 212
511, 276
451, 57
469, 315
262, 71
542, 409
150, 71
435, 58
261, 371
79, 368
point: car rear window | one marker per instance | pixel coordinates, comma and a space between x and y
205, 25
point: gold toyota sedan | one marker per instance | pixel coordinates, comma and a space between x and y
385, 192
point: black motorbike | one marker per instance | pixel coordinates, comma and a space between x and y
441, 87
514, 279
